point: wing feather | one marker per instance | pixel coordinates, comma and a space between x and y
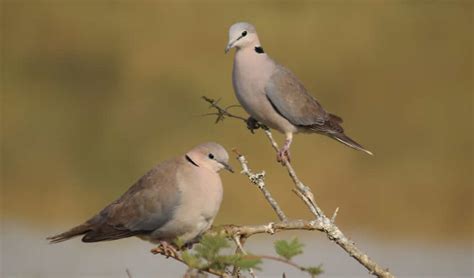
291, 99
146, 206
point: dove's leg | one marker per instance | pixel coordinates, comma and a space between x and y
284, 153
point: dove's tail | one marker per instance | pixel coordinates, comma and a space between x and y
346, 140
76, 231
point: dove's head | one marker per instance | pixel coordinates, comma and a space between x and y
241, 35
211, 156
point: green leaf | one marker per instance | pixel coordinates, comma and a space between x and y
210, 246
191, 260
247, 262
221, 262
288, 249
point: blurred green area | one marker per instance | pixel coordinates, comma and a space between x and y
94, 94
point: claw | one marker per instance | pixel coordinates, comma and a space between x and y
165, 249
283, 156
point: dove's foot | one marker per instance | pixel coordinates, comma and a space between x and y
166, 249
283, 156
253, 124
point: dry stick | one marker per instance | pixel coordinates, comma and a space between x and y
304, 192
259, 180
270, 228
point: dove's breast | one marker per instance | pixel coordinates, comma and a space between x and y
251, 72
201, 196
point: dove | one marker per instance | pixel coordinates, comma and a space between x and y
274, 96
178, 199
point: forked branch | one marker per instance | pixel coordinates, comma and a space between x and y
321, 221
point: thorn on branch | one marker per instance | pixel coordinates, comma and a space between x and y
270, 228
334, 215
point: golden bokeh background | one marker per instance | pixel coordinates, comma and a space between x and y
95, 93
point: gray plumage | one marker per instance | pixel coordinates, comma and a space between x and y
274, 96
177, 198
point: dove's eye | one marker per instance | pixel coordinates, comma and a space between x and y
211, 156
244, 33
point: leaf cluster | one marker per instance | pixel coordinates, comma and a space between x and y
289, 249
209, 255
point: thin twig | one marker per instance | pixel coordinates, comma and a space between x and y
259, 180
282, 260
240, 249
305, 190
221, 112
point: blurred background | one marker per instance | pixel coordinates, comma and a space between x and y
95, 93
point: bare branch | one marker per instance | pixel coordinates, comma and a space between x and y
270, 228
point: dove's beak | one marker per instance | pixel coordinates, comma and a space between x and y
229, 46
226, 166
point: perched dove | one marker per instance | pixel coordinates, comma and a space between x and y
274, 96
178, 198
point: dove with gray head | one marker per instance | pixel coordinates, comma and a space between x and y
274, 96
177, 199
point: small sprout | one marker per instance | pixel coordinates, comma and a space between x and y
207, 255
288, 249
210, 246
314, 271
248, 262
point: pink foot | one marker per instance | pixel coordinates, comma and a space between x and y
283, 155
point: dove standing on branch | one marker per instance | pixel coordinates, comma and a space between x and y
177, 199
274, 96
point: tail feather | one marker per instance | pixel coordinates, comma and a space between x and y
76, 231
346, 140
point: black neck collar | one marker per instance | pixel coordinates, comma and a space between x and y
191, 161
259, 50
